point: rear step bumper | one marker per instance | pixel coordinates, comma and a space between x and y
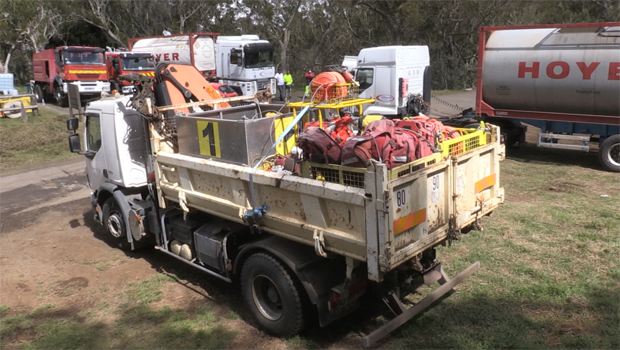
418, 308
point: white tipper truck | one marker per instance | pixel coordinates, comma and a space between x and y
191, 181
244, 62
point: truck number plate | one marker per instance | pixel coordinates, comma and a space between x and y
435, 189
401, 198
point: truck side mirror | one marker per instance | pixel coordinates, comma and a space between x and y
74, 143
72, 123
240, 60
59, 59
116, 66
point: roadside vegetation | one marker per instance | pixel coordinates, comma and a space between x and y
31, 145
305, 33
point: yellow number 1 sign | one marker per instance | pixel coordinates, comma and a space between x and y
209, 139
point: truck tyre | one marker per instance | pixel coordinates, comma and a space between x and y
38, 93
273, 295
114, 222
60, 97
609, 153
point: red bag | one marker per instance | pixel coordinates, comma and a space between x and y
318, 146
358, 150
380, 126
424, 128
409, 146
373, 143
444, 132
338, 128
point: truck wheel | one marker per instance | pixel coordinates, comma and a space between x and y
272, 295
38, 93
609, 153
61, 97
113, 219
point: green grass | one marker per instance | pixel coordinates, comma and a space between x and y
30, 145
137, 324
298, 342
144, 292
550, 269
102, 265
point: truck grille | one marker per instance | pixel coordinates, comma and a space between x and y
87, 77
262, 84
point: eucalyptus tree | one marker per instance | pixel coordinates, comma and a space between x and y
275, 18
25, 27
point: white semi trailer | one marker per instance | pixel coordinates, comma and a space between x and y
195, 182
243, 62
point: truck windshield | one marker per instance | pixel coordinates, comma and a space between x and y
364, 76
93, 127
138, 63
259, 59
84, 57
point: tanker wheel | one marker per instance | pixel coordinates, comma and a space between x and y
38, 93
60, 97
273, 295
114, 222
609, 153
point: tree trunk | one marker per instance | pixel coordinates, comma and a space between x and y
5, 66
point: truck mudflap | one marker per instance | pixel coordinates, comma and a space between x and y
403, 315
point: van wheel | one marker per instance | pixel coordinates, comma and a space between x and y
273, 295
38, 93
609, 153
114, 222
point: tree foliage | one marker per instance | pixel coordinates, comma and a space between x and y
306, 33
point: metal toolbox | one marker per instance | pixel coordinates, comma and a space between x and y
240, 135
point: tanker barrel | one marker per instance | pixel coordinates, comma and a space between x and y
553, 70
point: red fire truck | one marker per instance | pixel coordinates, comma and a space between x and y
55, 69
125, 62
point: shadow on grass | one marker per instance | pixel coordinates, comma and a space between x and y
530, 153
139, 327
465, 322
482, 321
226, 294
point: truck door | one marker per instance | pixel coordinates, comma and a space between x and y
95, 158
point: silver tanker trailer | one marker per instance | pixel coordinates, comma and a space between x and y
563, 79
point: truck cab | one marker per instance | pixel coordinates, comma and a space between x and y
393, 76
116, 155
120, 63
245, 63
